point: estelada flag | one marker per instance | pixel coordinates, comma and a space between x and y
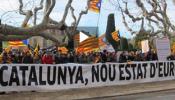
95, 5
115, 35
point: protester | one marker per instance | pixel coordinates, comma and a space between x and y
27, 58
123, 57
104, 56
36, 59
97, 58
5, 57
138, 56
151, 56
57, 57
47, 58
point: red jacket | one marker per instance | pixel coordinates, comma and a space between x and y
47, 59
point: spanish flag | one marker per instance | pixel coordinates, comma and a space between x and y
95, 5
115, 35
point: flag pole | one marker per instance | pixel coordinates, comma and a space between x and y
98, 18
98, 25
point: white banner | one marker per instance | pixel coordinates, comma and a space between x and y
163, 48
39, 77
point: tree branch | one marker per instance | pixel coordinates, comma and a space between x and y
124, 19
8, 32
71, 31
73, 15
13, 37
48, 10
83, 12
28, 15
66, 11
36, 9
134, 19
21, 8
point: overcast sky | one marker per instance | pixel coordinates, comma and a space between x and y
91, 19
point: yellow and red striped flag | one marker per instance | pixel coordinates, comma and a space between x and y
95, 5
87, 45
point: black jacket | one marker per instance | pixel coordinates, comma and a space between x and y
27, 60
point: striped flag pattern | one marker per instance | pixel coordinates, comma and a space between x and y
91, 44
88, 45
16, 43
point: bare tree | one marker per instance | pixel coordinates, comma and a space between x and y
153, 17
8, 32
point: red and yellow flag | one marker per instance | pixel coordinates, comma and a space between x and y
95, 5
16, 43
88, 45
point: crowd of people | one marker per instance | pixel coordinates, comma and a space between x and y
57, 57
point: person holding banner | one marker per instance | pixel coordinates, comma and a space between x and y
123, 57
47, 58
4, 57
36, 58
104, 56
27, 59
151, 56
97, 58
138, 56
